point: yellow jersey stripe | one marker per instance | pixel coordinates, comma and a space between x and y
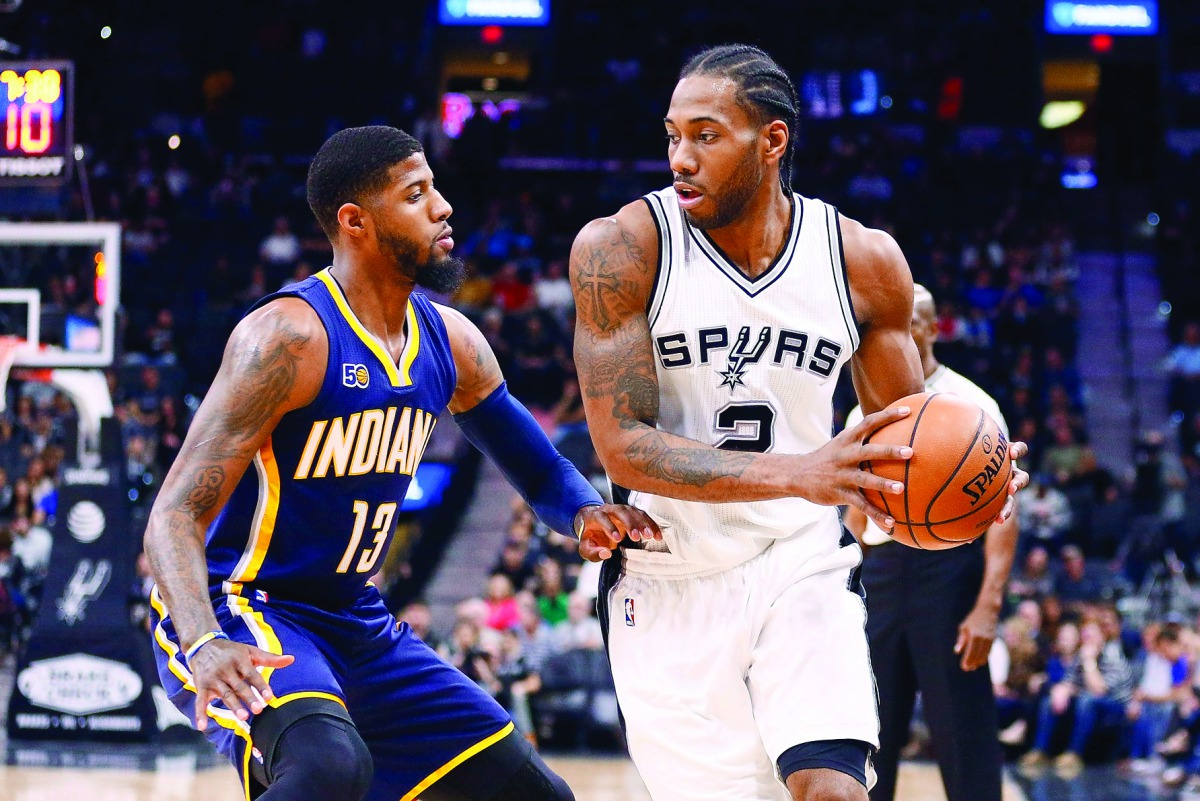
432, 778
368, 339
411, 345
174, 659
260, 629
265, 514
223, 717
278, 702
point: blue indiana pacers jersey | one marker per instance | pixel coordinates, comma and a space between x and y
311, 520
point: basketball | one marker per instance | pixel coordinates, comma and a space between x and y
957, 480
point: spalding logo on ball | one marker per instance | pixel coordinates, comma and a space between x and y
956, 482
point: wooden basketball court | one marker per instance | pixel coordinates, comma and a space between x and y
591, 779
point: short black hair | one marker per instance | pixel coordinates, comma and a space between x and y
764, 90
352, 164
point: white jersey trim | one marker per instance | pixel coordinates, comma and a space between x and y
663, 268
753, 286
840, 280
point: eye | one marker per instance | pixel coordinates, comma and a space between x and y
415, 196
707, 136
673, 138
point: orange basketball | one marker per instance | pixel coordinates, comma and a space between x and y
957, 480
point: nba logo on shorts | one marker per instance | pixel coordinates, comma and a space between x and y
629, 612
355, 375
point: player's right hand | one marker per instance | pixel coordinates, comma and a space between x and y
227, 671
833, 474
601, 529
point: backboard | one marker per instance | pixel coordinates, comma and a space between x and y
59, 290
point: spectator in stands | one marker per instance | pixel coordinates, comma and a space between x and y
1183, 365
1164, 676
1044, 515
1075, 584
515, 564
537, 637
474, 294
21, 504
502, 606
171, 431
281, 247
11, 579
149, 401
256, 287
1034, 578
581, 629
1064, 456
538, 356
1017, 667
553, 291
518, 680
160, 338
6, 490
31, 543
467, 653
1097, 686
301, 272
551, 595
511, 289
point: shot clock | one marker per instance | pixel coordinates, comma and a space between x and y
36, 145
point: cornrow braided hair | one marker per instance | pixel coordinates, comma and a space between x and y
765, 90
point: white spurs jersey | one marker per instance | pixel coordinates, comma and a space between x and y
745, 364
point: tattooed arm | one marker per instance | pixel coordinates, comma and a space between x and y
274, 362
612, 274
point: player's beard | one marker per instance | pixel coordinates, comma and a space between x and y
436, 270
733, 197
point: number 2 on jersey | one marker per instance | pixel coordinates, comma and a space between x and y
382, 525
752, 427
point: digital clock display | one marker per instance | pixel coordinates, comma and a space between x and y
35, 129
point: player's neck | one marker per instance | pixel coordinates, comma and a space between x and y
930, 365
378, 299
759, 235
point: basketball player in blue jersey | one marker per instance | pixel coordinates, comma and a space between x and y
284, 498
713, 319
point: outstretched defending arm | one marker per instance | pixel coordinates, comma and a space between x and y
612, 272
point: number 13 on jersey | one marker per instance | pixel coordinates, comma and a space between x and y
382, 525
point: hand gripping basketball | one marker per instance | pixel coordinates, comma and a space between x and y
960, 479
833, 475
227, 671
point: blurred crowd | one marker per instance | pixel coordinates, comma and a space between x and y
1098, 657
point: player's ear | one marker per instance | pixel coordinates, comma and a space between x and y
775, 140
353, 220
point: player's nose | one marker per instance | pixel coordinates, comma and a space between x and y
683, 160
440, 208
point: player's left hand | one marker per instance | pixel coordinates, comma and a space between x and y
601, 529
975, 636
1020, 479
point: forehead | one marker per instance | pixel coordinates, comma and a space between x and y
707, 96
412, 170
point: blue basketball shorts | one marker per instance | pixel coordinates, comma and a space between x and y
419, 716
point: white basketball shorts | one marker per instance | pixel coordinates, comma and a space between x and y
718, 675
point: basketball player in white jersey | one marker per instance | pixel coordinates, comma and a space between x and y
713, 319
931, 620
